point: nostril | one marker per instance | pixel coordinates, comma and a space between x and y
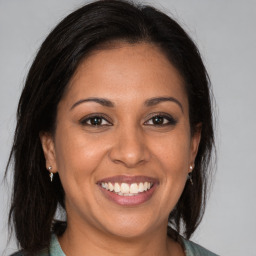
129, 147
129, 157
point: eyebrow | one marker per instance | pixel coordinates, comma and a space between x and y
148, 103
157, 100
101, 101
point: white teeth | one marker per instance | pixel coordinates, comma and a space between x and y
134, 188
141, 187
145, 186
110, 186
117, 188
126, 189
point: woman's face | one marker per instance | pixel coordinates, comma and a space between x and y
122, 145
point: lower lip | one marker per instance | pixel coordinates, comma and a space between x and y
129, 200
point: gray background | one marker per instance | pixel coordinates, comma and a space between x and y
225, 34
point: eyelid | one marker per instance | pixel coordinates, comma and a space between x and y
84, 119
170, 118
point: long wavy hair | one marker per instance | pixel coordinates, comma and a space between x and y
35, 199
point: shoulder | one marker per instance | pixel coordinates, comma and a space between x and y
55, 249
17, 254
22, 253
193, 249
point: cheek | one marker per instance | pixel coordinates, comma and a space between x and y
73, 149
172, 155
173, 152
77, 158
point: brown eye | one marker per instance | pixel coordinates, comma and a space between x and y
95, 120
158, 120
161, 120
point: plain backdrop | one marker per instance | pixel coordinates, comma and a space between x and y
225, 34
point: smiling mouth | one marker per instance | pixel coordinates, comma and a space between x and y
126, 189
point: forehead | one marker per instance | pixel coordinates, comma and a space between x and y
126, 72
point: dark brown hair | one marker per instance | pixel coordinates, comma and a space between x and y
34, 198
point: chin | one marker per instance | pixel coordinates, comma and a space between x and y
129, 226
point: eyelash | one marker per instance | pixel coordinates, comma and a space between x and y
167, 119
84, 121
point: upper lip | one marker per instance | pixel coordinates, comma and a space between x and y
128, 179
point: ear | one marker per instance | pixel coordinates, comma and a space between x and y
195, 141
49, 150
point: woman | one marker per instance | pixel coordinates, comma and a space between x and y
114, 129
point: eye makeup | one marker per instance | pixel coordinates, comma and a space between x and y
160, 119
96, 120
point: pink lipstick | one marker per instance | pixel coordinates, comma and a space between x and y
128, 190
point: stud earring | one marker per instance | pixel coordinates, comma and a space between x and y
51, 174
190, 175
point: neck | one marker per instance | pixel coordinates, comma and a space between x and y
87, 241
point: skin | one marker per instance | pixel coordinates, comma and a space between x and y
126, 143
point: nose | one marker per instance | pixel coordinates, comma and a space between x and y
130, 148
